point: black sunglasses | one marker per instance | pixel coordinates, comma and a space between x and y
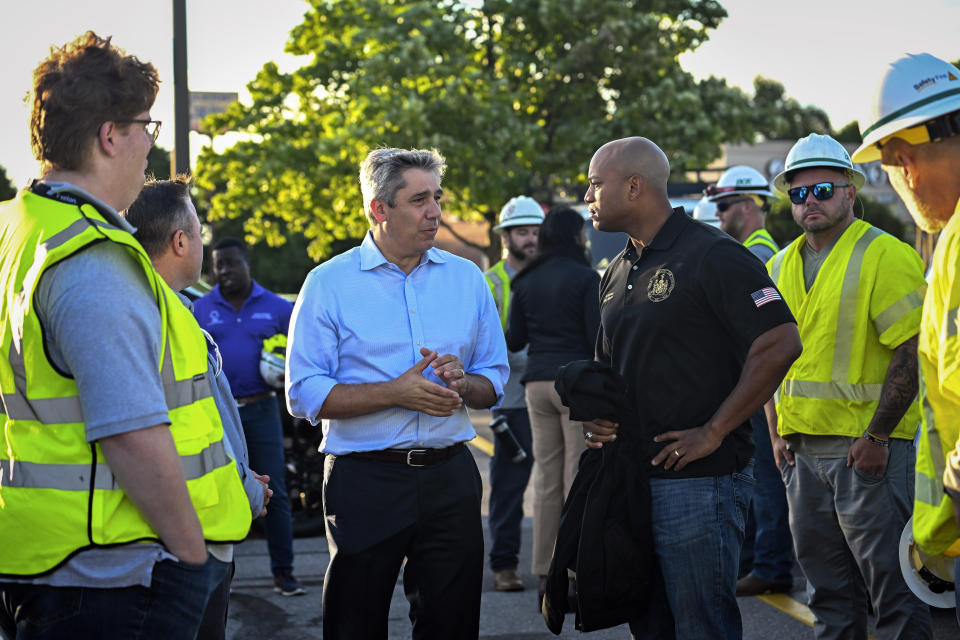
821, 191
723, 205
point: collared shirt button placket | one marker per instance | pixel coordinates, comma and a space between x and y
416, 332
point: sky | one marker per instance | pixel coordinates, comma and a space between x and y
828, 53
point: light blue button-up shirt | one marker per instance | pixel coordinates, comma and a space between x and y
360, 319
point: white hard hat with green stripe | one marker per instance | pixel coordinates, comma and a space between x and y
913, 90
817, 150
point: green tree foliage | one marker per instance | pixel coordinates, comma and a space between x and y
850, 132
784, 230
158, 163
516, 94
7, 188
778, 117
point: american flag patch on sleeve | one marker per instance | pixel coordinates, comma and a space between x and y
765, 295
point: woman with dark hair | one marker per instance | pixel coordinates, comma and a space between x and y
555, 309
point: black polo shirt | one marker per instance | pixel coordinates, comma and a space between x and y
677, 322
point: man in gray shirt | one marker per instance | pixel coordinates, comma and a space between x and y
104, 424
169, 230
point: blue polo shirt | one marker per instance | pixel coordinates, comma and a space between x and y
240, 334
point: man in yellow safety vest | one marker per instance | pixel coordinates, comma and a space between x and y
846, 412
915, 136
116, 486
519, 225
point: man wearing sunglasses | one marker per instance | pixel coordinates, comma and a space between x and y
742, 196
846, 413
114, 476
916, 139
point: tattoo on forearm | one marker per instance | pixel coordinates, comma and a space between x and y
899, 389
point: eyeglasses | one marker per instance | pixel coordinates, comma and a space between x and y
151, 127
723, 205
821, 191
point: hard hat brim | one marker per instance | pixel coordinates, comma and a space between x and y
945, 600
763, 193
858, 179
936, 107
519, 221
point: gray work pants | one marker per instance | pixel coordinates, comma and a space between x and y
846, 528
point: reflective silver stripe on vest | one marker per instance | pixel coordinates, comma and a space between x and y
180, 393
777, 263
832, 390
847, 313
76, 228
45, 410
889, 316
76, 477
951, 323
838, 388
926, 489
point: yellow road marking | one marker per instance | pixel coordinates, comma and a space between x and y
483, 444
790, 607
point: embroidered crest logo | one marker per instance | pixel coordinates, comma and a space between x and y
661, 285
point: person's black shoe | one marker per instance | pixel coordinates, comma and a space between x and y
751, 585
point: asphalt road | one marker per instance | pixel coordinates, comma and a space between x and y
257, 613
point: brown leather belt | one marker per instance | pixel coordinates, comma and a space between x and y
257, 397
411, 457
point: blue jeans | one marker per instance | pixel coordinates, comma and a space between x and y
264, 433
767, 547
698, 526
170, 609
508, 481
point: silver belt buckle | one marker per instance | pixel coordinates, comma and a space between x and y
410, 460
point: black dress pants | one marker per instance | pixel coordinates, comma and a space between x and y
379, 513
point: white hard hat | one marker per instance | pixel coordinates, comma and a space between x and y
273, 358
818, 150
520, 211
912, 90
706, 211
740, 180
929, 577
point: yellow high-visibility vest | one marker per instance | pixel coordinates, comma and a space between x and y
499, 283
934, 527
761, 236
57, 493
865, 301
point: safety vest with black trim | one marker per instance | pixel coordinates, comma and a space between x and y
499, 283
58, 495
761, 236
934, 526
865, 301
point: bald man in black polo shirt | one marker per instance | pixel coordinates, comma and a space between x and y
694, 325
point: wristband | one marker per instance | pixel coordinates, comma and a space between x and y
869, 437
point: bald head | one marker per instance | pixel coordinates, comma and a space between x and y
636, 156
628, 188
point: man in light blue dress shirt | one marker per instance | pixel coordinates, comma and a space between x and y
389, 343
